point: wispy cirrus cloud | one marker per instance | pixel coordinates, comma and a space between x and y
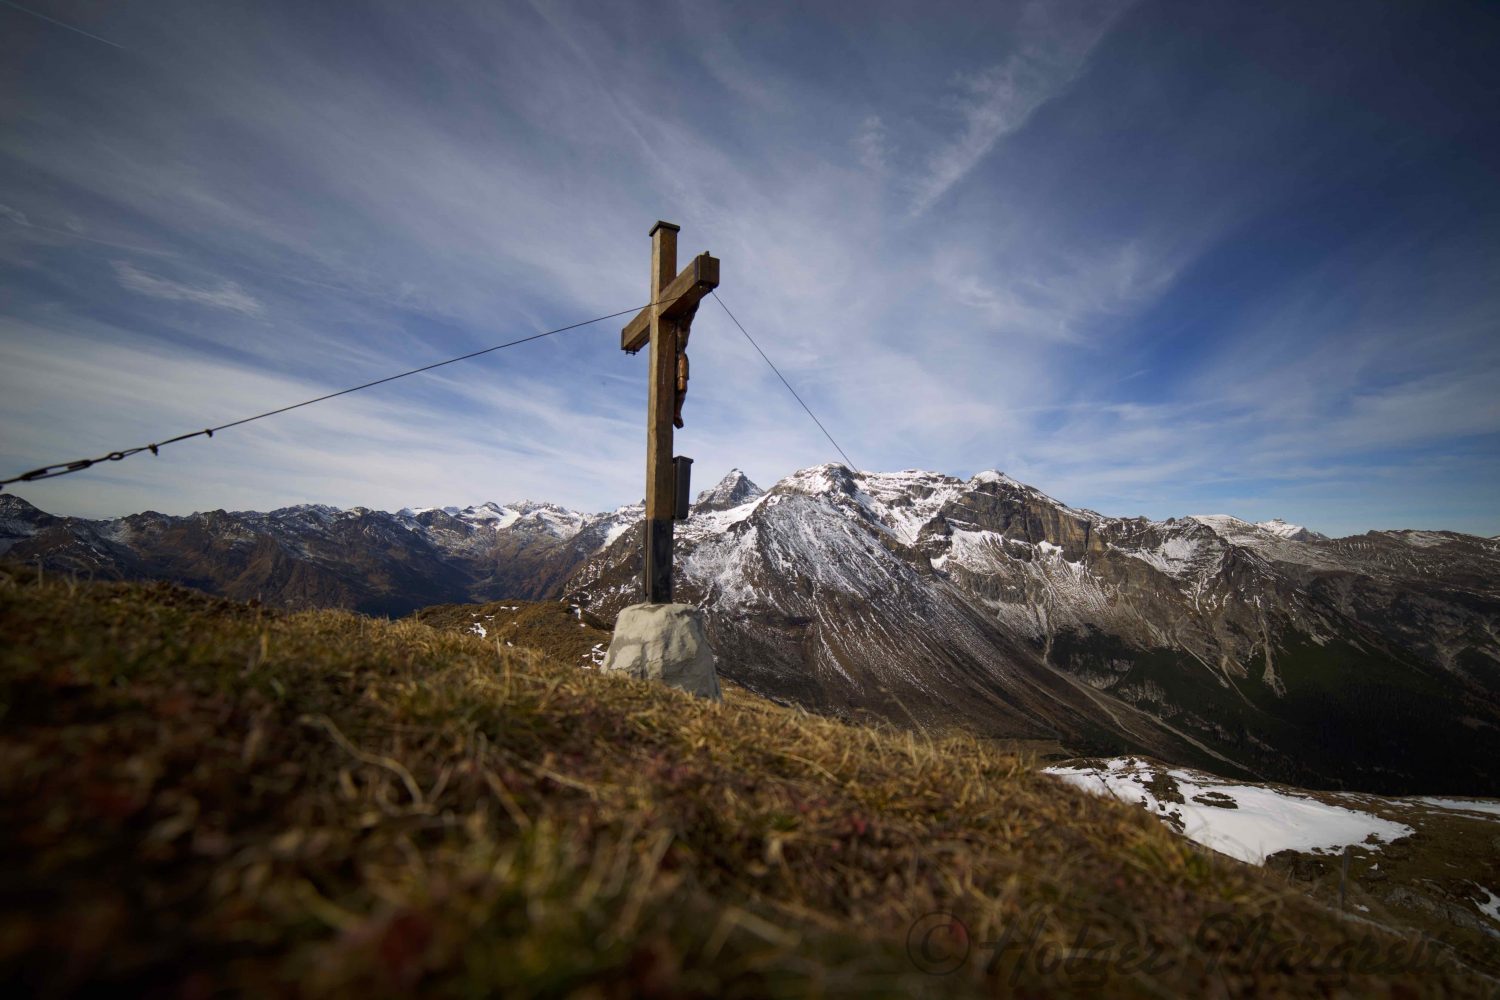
220, 295
1142, 254
872, 143
1051, 43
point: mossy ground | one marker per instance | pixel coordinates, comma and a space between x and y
201, 796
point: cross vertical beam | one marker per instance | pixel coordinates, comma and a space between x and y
665, 324
661, 486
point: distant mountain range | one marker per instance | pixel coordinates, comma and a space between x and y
1264, 650
317, 556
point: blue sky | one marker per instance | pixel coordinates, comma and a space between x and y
1153, 258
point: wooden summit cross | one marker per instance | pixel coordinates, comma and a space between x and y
665, 324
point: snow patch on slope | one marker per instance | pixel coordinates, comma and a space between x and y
1175, 556
905, 502
1423, 539
1491, 905
615, 531
715, 522
1249, 822
1490, 806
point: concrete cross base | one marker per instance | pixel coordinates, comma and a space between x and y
665, 642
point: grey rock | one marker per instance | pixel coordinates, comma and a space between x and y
665, 642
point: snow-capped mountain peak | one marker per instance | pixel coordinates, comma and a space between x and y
985, 601
732, 491
490, 514
1235, 529
559, 522
1282, 529
817, 480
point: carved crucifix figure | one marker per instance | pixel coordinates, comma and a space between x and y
665, 325
684, 330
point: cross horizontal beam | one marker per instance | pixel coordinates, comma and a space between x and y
679, 298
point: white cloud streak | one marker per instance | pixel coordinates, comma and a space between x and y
222, 295
340, 213
994, 102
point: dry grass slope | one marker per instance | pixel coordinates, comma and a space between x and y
199, 795
558, 630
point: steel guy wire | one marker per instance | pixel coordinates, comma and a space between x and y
78, 465
847, 461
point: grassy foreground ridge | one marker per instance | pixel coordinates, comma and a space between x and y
203, 796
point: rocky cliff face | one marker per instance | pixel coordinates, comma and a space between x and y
1368, 662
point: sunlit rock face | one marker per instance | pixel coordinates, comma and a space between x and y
1365, 662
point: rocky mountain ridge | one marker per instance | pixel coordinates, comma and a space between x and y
319, 556
1263, 650
1369, 661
